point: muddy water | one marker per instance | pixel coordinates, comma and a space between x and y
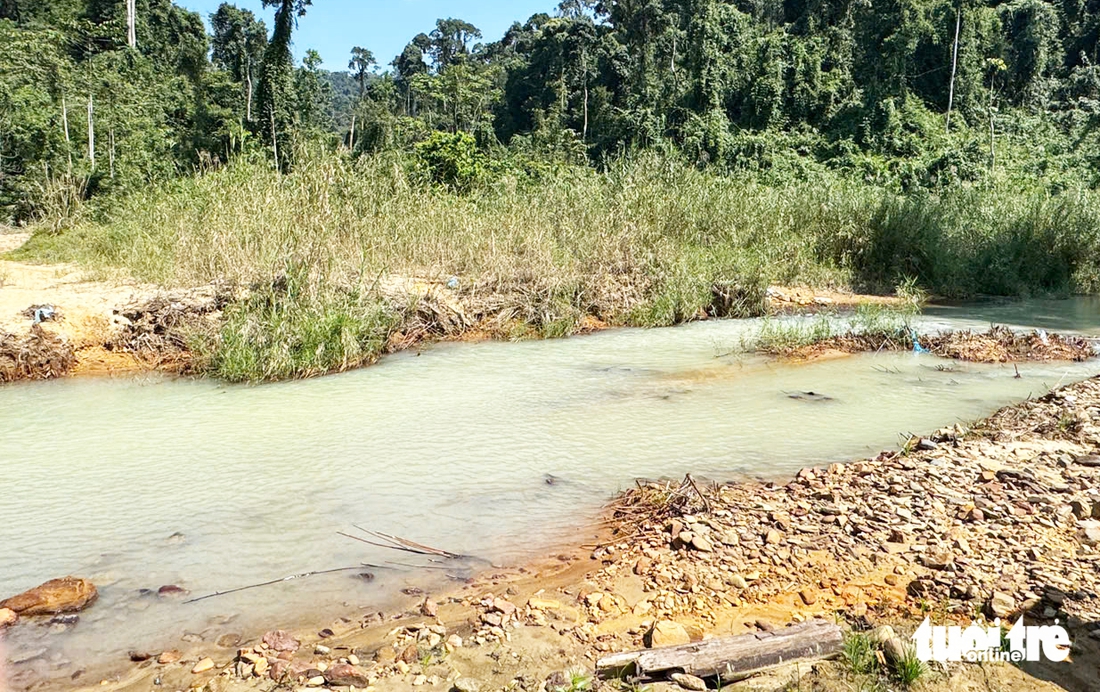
142, 483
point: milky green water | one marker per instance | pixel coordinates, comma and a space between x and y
451, 448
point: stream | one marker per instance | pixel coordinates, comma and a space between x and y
500, 450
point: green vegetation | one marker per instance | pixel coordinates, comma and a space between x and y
881, 325
864, 660
859, 653
642, 163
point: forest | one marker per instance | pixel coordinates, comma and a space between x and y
628, 160
908, 93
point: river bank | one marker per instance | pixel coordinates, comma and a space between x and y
991, 520
115, 326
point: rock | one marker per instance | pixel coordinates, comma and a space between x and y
808, 597
702, 544
139, 656
411, 654
454, 642
346, 675
503, 607
259, 668
773, 537
880, 635
171, 590
492, 619
281, 640
8, 618
429, 608
203, 666
228, 641
542, 604
1081, 509
937, 558
67, 595
467, 685
895, 649
642, 565
1090, 532
689, 682
1002, 605
891, 579
168, 657
667, 633
738, 582
926, 445
731, 539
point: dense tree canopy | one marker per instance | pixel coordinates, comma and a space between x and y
857, 86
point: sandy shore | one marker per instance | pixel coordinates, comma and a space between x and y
1000, 519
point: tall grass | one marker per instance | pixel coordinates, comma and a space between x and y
648, 241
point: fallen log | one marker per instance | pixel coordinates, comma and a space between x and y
730, 658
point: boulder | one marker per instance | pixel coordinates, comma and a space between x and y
346, 675
67, 595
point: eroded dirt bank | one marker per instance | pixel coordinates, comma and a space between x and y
995, 520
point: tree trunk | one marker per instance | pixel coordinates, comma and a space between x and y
65, 127
248, 83
351, 138
131, 23
992, 149
732, 658
275, 141
91, 133
111, 138
954, 67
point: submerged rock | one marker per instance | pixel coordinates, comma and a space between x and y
8, 618
67, 595
280, 640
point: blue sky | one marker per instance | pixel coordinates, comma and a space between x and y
332, 27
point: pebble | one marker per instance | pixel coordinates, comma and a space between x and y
203, 666
169, 657
467, 685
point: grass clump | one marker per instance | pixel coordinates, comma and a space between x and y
289, 331
859, 654
871, 327
908, 669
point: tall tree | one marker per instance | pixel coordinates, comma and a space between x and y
450, 39
362, 60
238, 46
277, 97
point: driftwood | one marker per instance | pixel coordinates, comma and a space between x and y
284, 579
730, 658
405, 545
